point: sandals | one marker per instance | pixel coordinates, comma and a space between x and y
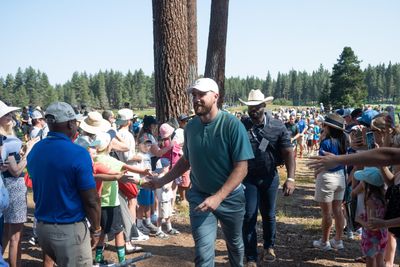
173, 231
361, 259
162, 235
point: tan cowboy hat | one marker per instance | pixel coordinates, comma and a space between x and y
94, 123
256, 97
4, 109
334, 120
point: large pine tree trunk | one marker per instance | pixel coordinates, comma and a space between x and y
192, 42
170, 57
192, 39
215, 64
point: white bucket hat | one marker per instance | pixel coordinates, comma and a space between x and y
94, 123
102, 141
256, 97
4, 109
124, 115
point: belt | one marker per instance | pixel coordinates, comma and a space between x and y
61, 223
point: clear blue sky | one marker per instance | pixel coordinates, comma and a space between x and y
60, 37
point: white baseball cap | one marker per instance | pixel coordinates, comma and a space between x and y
204, 85
37, 115
61, 112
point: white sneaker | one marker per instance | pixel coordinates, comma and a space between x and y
321, 245
336, 244
141, 237
350, 235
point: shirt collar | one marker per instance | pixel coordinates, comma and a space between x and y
58, 135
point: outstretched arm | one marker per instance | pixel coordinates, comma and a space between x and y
384, 156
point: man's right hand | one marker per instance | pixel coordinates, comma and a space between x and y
151, 182
322, 163
94, 240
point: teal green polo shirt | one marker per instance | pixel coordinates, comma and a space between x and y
212, 149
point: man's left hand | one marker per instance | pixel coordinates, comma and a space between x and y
209, 204
288, 188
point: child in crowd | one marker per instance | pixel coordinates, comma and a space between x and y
310, 138
108, 170
164, 196
169, 139
317, 132
373, 241
146, 196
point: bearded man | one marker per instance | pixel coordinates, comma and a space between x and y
271, 146
216, 148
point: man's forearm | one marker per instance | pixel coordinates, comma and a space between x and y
235, 178
290, 163
392, 222
377, 157
91, 204
180, 168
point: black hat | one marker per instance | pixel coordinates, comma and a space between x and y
183, 117
356, 113
149, 120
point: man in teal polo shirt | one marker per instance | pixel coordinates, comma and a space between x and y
217, 149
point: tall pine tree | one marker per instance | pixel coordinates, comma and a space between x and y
347, 81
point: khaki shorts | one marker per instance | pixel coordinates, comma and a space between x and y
329, 186
300, 140
164, 209
66, 244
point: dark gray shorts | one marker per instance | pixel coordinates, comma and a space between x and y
111, 220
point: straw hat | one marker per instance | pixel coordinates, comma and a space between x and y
94, 123
256, 97
334, 120
4, 109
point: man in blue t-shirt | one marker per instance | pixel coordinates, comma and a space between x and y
64, 191
216, 148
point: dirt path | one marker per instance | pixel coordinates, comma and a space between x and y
298, 222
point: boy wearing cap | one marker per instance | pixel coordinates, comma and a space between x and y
183, 182
39, 128
128, 192
111, 217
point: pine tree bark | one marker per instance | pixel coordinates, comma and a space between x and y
170, 33
192, 39
192, 42
216, 50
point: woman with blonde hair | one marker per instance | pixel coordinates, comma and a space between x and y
13, 178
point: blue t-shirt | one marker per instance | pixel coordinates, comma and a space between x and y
316, 132
301, 125
59, 170
212, 149
331, 146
